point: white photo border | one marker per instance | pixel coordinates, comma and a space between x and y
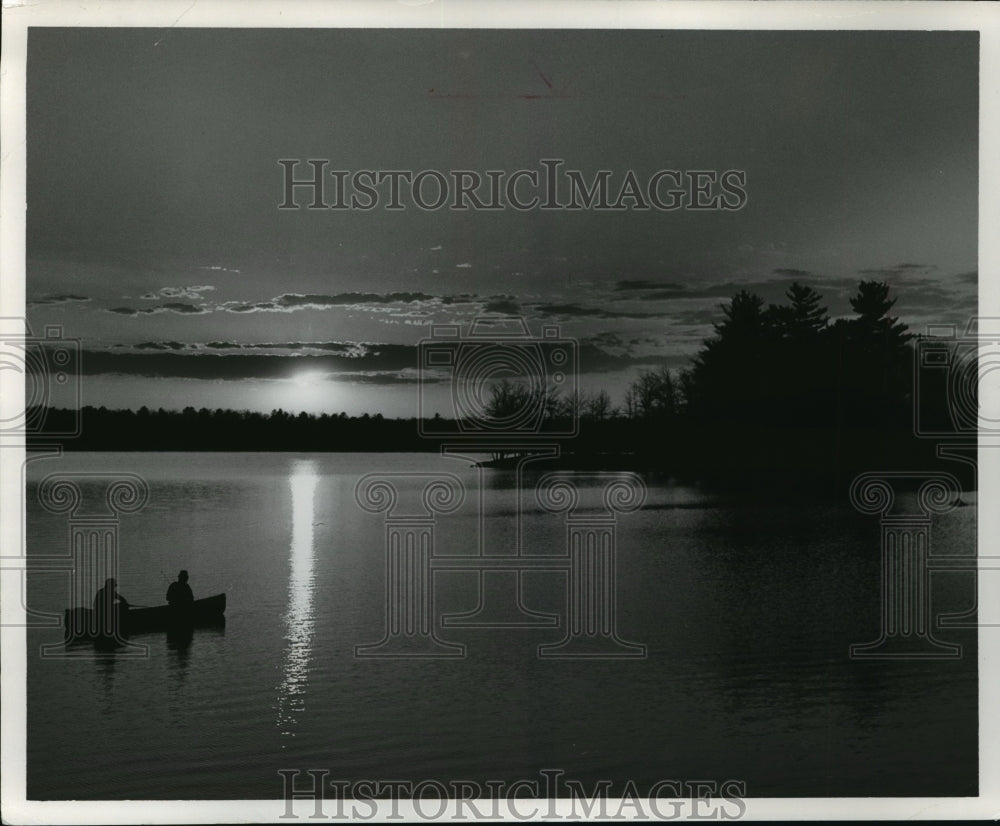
19, 15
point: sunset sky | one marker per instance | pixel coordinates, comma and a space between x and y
154, 233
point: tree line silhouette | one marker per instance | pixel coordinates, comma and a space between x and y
777, 389
781, 388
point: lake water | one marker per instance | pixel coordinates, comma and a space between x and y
747, 611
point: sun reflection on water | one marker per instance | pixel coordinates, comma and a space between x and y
298, 618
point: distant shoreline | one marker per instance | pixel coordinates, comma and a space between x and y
740, 454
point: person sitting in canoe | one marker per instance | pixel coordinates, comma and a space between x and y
110, 607
179, 593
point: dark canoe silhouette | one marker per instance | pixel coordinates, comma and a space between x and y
81, 624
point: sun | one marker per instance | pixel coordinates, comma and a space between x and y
310, 391
308, 378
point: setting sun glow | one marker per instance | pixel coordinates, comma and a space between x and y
311, 390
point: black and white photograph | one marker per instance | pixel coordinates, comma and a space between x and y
460, 414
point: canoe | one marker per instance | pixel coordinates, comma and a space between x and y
81, 623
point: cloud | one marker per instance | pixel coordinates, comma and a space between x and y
435, 249
463, 266
194, 292
217, 268
699, 315
501, 304
463, 298
569, 310
290, 302
170, 307
645, 284
573, 310
631, 299
346, 348
162, 345
367, 363
896, 270
401, 377
648, 290
606, 338
594, 359
352, 357
665, 295
262, 307
57, 299
342, 299
177, 307
927, 295
608, 351
943, 298
769, 288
